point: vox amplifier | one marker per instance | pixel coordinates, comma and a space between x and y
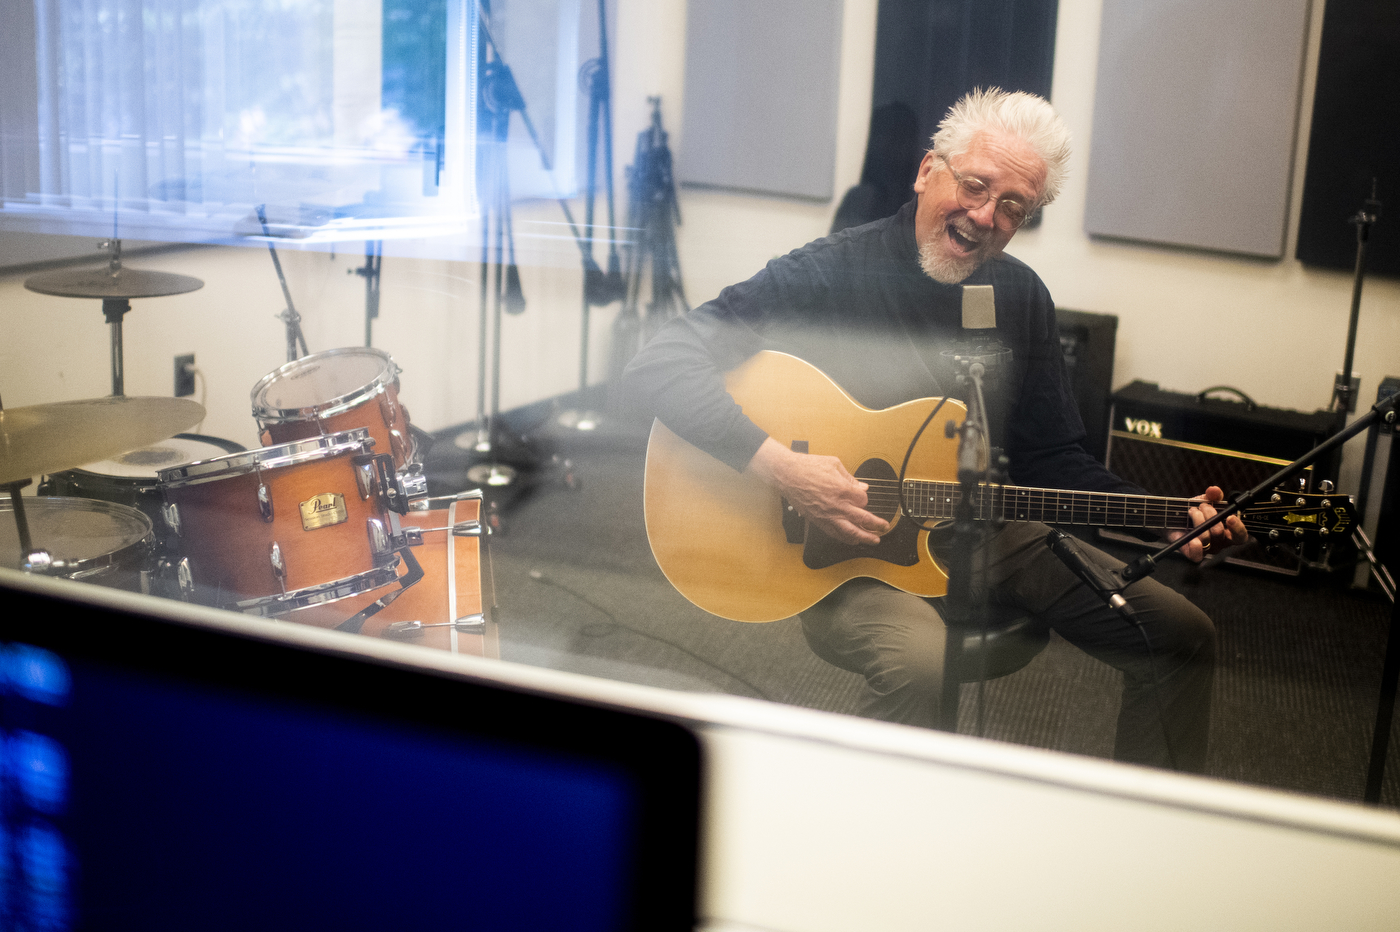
1176, 444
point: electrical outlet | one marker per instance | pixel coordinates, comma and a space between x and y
184, 375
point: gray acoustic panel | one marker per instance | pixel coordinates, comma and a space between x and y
1195, 117
760, 96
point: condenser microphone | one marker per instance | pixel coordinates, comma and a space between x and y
979, 307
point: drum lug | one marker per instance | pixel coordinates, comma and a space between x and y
413, 536
379, 544
365, 478
265, 503
171, 513
474, 620
279, 566
184, 578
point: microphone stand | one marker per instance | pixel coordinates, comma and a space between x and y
296, 341
966, 603
499, 285
1343, 401
374, 262
598, 287
500, 96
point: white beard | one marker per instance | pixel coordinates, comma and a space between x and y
946, 269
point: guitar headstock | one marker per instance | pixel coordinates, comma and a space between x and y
1287, 516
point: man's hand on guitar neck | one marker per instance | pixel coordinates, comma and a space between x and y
1232, 531
821, 490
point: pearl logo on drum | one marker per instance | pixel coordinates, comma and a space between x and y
324, 510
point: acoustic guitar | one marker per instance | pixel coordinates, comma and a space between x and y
730, 544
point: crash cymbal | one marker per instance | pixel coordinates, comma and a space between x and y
103, 283
46, 438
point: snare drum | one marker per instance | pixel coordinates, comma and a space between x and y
93, 541
282, 527
450, 608
132, 479
336, 390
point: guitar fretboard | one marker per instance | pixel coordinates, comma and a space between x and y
931, 500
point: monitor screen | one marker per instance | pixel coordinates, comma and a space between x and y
162, 775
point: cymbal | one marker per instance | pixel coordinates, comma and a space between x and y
46, 438
101, 283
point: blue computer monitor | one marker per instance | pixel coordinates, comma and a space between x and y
177, 774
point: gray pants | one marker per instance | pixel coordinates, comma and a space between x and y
896, 641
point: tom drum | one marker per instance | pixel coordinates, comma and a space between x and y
283, 527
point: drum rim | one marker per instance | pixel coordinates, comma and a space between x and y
266, 414
320, 593
152, 480
278, 456
103, 562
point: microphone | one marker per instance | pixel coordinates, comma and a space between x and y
1101, 581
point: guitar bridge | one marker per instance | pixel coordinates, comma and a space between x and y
794, 525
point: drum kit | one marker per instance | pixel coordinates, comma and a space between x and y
328, 523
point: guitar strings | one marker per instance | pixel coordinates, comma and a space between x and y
1054, 506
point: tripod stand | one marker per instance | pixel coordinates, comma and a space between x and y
652, 214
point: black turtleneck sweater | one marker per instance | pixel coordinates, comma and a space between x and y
858, 306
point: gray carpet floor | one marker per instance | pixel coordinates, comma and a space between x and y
577, 589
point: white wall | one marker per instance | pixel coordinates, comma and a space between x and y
1188, 320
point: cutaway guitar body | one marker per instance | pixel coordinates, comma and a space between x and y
719, 535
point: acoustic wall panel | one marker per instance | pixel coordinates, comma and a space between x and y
1195, 117
1355, 137
760, 96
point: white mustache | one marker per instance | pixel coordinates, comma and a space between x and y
967, 228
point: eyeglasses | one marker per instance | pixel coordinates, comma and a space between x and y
1010, 214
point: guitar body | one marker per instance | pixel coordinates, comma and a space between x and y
720, 537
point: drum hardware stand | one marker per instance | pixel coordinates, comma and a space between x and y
414, 574
374, 260
598, 287
114, 309
653, 213
1383, 411
296, 341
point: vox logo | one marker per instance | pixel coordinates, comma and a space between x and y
1143, 427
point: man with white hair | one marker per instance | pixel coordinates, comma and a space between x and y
874, 307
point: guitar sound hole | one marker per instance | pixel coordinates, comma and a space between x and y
883, 494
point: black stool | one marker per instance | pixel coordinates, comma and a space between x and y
1012, 640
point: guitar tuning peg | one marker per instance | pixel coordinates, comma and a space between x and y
1326, 487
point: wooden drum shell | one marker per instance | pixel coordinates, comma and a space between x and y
228, 544
431, 600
